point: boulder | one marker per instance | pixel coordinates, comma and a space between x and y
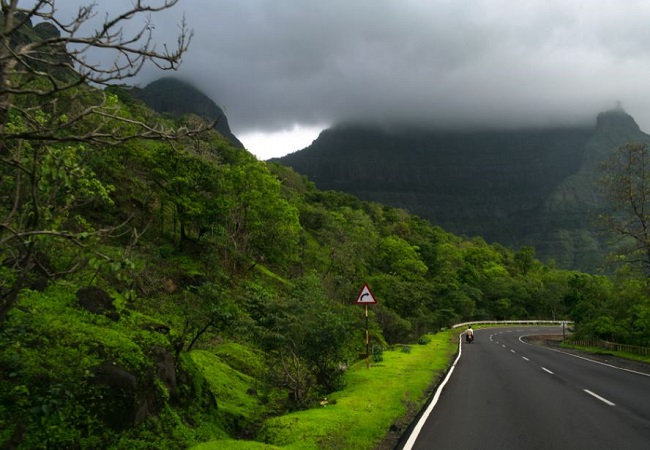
121, 407
97, 301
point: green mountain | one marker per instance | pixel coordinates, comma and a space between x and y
534, 187
173, 96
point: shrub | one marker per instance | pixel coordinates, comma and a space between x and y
377, 353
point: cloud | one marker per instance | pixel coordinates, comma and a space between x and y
279, 64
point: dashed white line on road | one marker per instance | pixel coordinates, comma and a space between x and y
546, 370
524, 358
604, 400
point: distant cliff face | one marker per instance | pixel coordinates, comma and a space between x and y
529, 187
169, 95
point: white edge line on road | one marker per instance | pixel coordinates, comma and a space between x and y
590, 360
604, 400
418, 427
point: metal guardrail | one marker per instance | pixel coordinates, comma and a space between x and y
633, 349
517, 322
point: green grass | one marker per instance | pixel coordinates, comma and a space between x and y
228, 385
359, 416
235, 445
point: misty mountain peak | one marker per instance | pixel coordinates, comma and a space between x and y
515, 187
616, 120
176, 97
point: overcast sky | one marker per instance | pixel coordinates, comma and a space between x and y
285, 69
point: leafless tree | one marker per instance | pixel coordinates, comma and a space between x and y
38, 61
625, 185
52, 104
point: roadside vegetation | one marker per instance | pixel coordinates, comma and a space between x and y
160, 288
386, 395
598, 350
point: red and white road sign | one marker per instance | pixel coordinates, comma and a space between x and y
365, 296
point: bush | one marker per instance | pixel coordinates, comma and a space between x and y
377, 353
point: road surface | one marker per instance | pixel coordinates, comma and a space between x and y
506, 394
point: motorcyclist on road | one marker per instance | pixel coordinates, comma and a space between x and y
469, 334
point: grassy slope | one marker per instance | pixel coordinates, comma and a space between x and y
359, 416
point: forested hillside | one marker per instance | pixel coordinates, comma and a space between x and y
534, 187
160, 287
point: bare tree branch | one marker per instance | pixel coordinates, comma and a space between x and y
58, 60
625, 185
52, 101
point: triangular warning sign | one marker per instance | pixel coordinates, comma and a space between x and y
365, 296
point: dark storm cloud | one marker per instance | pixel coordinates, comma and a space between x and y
275, 63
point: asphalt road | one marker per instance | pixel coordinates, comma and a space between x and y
506, 394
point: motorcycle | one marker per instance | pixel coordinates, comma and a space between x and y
469, 338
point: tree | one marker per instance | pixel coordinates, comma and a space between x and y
260, 225
625, 185
187, 180
51, 110
309, 337
524, 259
210, 307
398, 257
318, 329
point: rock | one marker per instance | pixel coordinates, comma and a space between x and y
166, 369
126, 401
120, 408
97, 301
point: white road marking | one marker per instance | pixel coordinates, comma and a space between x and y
418, 426
595, 362
546, 370
587, 359
604, 400
524, 358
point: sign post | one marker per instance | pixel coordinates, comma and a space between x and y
366, 298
